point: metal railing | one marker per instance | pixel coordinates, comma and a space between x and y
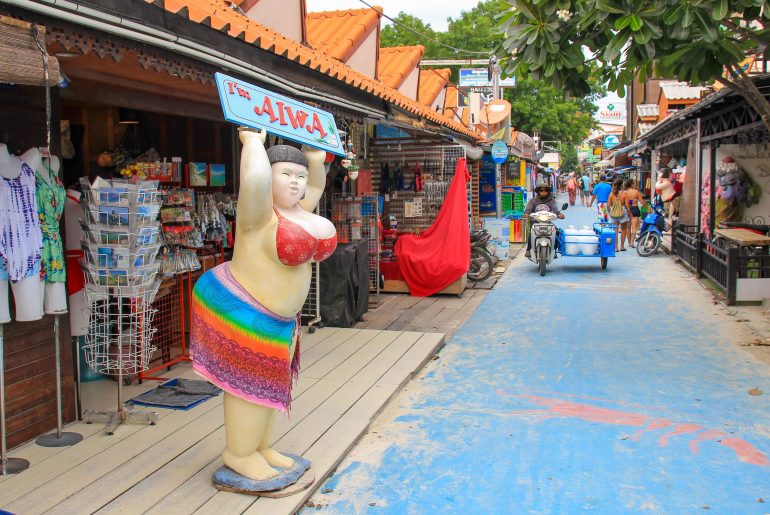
723, 266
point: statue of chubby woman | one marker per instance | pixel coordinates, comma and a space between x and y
245, 326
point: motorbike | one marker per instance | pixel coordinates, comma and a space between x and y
481, 259
542, 234
651, 232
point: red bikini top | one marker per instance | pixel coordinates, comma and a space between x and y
296, 246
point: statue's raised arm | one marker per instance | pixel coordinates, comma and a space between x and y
256, 182
316, 182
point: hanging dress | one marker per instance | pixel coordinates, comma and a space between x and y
50, 206
20, 238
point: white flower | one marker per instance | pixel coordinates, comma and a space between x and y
564, 15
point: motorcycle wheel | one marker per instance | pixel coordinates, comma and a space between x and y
481, 265
542, 259
648, 244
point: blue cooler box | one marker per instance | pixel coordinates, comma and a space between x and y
607, 242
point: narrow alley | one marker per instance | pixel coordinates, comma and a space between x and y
609, 391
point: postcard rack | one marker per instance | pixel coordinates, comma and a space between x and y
121, 261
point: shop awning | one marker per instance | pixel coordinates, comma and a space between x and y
629, 148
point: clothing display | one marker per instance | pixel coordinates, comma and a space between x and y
76, 280
439, 256
20, 237
296, 246
239, 345
50, 207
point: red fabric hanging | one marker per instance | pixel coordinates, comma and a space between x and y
442, 254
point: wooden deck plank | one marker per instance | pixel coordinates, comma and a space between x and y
376, 368
329, 450
311, 340
59, 488
191, 493
413, 359
307, 359
298, 440
361, 357
108, 486
330, 361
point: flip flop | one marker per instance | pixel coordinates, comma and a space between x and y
622, 250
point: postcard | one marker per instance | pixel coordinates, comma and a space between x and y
197, 174
113, 215
217, 175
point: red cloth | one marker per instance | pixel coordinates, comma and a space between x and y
442, 254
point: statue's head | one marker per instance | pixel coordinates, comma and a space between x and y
289, 175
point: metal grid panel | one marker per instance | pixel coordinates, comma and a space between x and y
311, 310
169, 338
356, 219
414, 211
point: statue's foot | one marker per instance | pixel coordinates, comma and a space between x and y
254, 466
276, 459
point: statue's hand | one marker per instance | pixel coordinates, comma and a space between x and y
246, 133
314, 155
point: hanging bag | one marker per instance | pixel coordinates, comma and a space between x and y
616, 209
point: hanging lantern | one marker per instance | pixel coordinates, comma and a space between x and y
105, 160
353, 174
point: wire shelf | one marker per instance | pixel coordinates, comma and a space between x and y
356, 219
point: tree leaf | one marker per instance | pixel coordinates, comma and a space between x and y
622, 22
673, 17
636, 23
720, 10
614, 48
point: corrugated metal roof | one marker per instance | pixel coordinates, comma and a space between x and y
681, 91
648, 110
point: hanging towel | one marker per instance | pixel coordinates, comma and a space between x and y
441, 255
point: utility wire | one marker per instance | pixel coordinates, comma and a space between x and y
407, 27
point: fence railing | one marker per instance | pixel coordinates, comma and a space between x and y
724, 266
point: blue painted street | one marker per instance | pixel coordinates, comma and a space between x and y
606, 391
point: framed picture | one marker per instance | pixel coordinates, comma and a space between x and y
217, 175
198, 176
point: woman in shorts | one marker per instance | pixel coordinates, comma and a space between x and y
634, 201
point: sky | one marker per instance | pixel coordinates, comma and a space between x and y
425, 10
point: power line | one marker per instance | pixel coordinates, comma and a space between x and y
407, 27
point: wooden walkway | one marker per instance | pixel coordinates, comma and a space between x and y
348, 375
444, 313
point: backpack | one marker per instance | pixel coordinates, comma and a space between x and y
616, 209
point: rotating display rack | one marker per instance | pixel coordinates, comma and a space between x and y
120, 247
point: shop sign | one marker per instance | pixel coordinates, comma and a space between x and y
499, 152
488, 185
252, 106
480, 77
611, 141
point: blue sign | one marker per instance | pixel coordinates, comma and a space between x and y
488, 185
480, 77
252, 106
499, 152
611, 141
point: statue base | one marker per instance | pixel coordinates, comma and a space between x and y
288, 482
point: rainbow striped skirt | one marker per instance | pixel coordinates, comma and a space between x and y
239, 345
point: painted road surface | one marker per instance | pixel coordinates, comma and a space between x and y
605, 391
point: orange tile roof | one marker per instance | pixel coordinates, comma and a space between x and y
219, 16
339, 33
396, 63
451, 100
432, 81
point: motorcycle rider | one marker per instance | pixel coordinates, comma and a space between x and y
544, 197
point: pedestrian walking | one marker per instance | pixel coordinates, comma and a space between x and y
617, 211
600, 195
572, 187
634, 201
667, 191
585, 188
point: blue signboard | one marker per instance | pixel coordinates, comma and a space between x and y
480, 77
488, 185
499, 152
252, 106
611, 141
